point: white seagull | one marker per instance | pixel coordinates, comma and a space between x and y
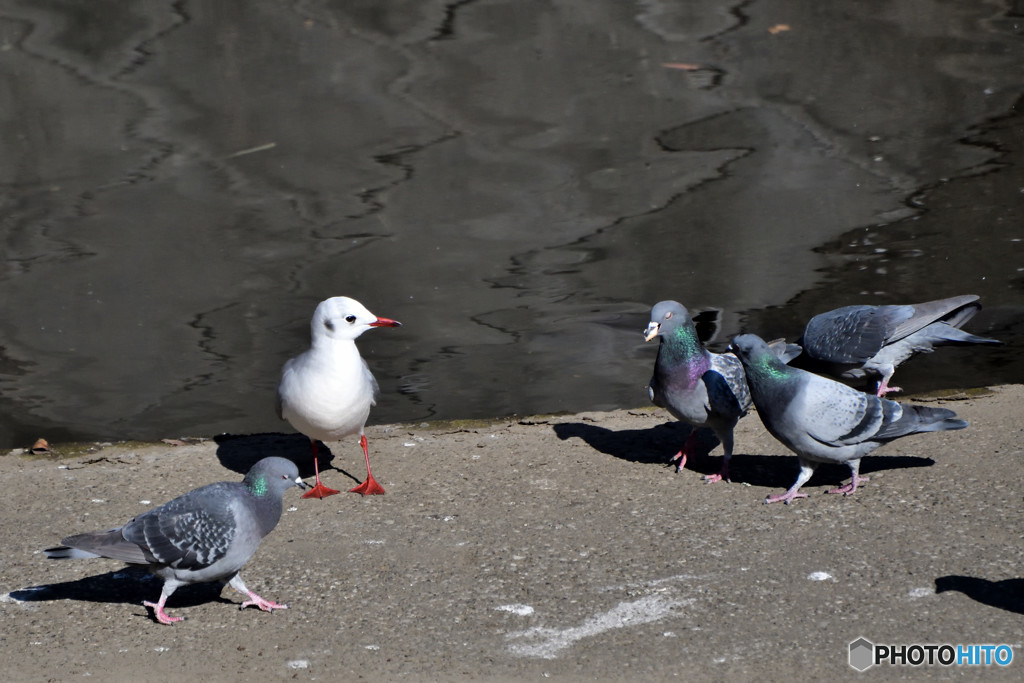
327, 392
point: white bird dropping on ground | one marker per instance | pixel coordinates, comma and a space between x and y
208, 534
327, 392
871, 341
822, 420
696, 386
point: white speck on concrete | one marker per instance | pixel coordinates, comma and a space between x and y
820, 576
520, 610
921, 592
297, 664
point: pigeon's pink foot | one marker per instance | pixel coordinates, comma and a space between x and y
319, 491
688, 449
723, 474
265, 605
681, 457
884, 388
158, 612
848, 489
784, 497
369, 487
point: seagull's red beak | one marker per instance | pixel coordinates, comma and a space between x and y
385, 322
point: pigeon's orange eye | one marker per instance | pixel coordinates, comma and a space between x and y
668, 315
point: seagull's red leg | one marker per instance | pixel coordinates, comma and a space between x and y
319, 490
369, 487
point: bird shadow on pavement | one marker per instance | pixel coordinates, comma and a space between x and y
239, 452
656, 445
129, 585
1007, 594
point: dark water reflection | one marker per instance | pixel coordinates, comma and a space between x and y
515, 181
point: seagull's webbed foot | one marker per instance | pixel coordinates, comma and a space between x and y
320, 491
369, 487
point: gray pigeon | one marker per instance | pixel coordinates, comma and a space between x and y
822, 420
861, 341
696, 386
205, 535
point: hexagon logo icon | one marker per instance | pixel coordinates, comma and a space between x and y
862, 654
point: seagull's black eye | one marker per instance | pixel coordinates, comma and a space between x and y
350, 318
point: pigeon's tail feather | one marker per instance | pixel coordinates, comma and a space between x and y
63, 552
945, 425
961, 308
917, 418
956, 310
944, 333
110, 544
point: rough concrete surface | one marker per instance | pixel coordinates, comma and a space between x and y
559, 547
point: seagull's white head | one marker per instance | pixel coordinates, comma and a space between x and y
343, 318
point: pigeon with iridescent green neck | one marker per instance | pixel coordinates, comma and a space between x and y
205, 535
822, 420
696, 386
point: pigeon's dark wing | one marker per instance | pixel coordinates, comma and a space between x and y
836, 415
852, 334
726, 385
955, 311
190, 532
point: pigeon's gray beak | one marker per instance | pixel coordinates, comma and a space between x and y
301, 484
652, 331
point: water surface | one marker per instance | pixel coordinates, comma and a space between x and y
516, 181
